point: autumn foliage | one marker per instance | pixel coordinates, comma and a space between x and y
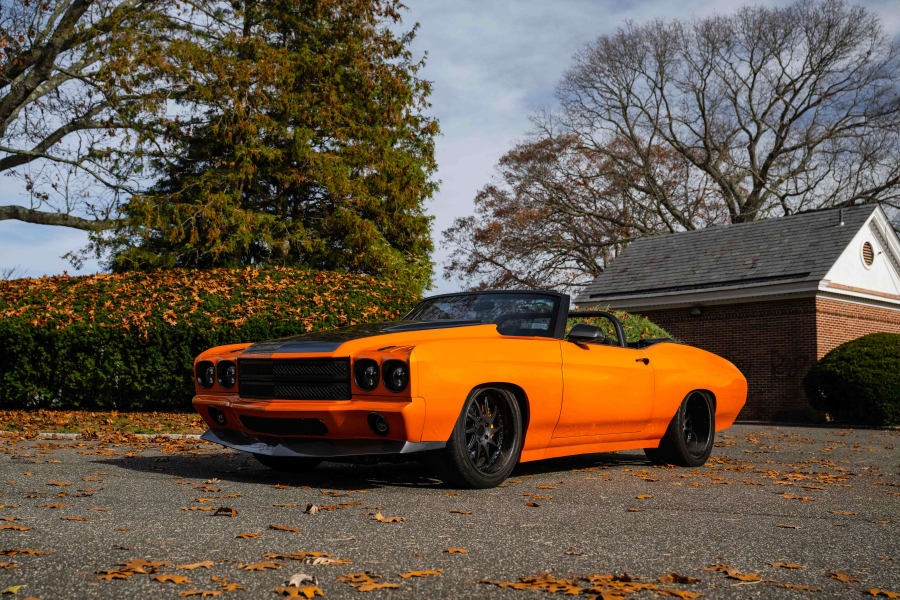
127, 341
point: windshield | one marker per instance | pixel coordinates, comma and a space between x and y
523, 313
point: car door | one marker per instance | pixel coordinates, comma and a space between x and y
606, 390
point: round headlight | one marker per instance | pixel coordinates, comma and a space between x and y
227, 373
365, 372
206, 373
396, 375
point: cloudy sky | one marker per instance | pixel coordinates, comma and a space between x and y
492, 62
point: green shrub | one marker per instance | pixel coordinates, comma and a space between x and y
636, 327
127, 341
859, 382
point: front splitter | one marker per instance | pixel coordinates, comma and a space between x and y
313, 448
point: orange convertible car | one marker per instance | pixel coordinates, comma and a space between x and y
476, 381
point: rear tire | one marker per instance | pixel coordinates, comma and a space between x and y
486, 441
689, 438
288, 464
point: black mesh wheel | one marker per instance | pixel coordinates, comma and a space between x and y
689, 438
486, 441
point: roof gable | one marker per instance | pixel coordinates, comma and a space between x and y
801, 247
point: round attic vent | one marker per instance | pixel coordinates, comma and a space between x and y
868, 254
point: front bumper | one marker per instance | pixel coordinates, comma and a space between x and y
314, 448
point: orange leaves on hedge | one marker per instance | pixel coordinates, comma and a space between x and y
226, 297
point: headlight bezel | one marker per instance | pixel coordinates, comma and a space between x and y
388, 371
225, 380
360, 365
205, 374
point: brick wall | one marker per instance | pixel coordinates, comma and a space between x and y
838, 322
773, 344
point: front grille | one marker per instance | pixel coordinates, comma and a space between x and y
285, 426
295, 378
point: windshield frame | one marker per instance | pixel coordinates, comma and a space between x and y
557, 321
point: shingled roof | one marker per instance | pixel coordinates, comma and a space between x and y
800, 247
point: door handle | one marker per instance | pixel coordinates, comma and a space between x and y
646, 361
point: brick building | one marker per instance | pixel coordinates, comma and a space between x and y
772, 296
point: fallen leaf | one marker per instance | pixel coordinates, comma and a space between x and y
455, 550
16, 527
139, 565
25, 551
305, 591
842, 512
844, 577
225, 512
324, 560
877, 592
806, 588
311, 509
546, 487
171, 578
231, 587
677, 578
572, 551
201, 593
643, 496
110, 574
13, 589
382, 519
284, 528
786, 526
56, 505
8, 564
204, 508
259, 566
369, 586
460, 512
247, 536
409, 574
786, 565
190, 567
58, 483
735, 574
298, 579
532, 504
75, 518
359, 577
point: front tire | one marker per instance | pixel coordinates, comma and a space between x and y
288, 464
688, 441
486, 440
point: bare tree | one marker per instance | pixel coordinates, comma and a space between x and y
73, 95
783, 109
674, 125
7, 273
559, 211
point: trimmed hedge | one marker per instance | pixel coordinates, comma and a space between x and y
127, 341
859, 381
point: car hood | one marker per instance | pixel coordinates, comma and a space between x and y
331, 340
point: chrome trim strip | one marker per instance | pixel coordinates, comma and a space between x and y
304, 447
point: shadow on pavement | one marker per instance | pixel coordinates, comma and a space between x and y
334, 475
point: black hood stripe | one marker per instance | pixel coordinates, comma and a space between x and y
329, 341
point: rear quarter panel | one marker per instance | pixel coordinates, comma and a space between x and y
444, 372
680, 369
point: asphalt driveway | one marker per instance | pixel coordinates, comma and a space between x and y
777, 512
